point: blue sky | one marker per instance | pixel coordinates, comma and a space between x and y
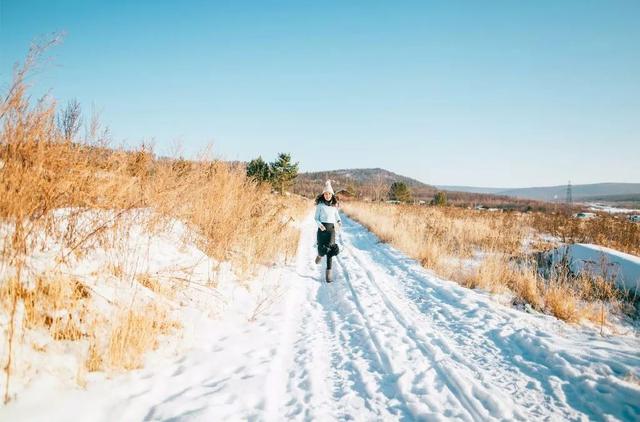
497, 93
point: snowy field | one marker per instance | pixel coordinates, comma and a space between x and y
594, 206
621, 267
387, 340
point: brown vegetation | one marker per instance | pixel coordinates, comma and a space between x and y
501, 243
79, 194
612, 231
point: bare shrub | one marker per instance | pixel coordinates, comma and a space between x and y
269, 295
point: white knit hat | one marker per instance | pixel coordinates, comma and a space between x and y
328, 188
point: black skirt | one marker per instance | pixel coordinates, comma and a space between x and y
327, 242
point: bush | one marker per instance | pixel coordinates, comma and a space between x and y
440, 199
399, 191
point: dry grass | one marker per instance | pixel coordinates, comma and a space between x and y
62, 306
57, 304
94, 361
166, 288
135, 332
434, 236
562, 302
234, 217
497, 275
431, 234
612, 231
122, 341
80, 194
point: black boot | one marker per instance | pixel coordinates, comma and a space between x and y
329, 278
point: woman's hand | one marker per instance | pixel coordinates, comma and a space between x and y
322, 227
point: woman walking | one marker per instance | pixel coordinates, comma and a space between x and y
328, 220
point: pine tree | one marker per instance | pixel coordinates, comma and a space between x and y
259, 170
400, 192
283, 172
439, 199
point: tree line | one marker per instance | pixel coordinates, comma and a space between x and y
280, 173
399, 191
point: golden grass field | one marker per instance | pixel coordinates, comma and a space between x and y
442, 238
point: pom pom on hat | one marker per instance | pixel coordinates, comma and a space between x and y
328, 188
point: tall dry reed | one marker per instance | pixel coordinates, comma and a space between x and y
437, 236
81, 194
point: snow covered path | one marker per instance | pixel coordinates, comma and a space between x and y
386, 341
394, 342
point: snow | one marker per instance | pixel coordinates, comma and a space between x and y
169, 254
623, 267
610, 209
388, 340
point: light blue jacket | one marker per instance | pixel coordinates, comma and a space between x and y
327, 214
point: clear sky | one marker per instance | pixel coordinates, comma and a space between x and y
495, 93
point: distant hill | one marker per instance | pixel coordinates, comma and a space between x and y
371, 182
364, 176
602, 191
632, 198
470, 189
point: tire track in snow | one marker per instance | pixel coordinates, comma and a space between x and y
364, 372
526, 361
478, 352
389, 341
470, 404
472, 408
351, 377
381, 356
474, 327
326, 379
488, 366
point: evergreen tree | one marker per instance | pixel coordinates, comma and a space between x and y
440, 199
283, 171
258, 169
400, 192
